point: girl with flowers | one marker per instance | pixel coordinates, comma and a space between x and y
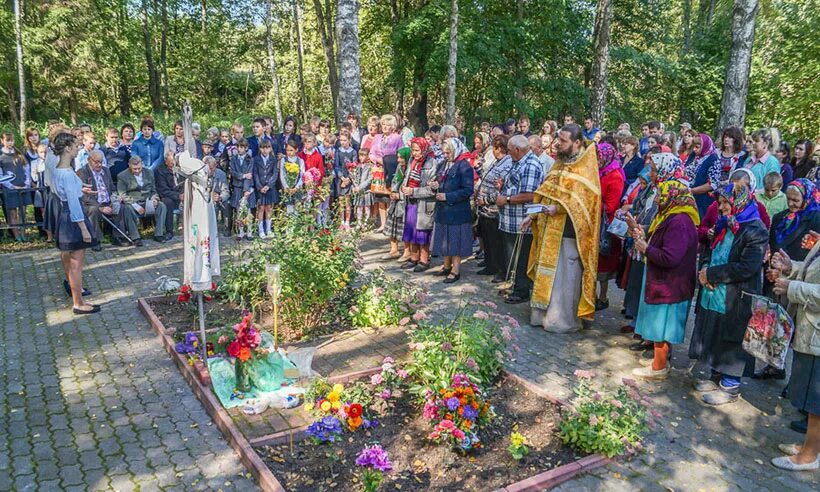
344, 162
360, 188
730, 267
291, 174
243, 195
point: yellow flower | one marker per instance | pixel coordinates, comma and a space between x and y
337, 405
338, 388
517, 439
291, 167
333, 396
308, 406
326, 406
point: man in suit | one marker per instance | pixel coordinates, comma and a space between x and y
136, 187
170, 188
98, 199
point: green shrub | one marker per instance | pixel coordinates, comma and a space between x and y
382, 301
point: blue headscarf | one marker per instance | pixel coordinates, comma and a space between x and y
744, 209
791, 222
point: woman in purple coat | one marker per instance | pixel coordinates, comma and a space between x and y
670, 275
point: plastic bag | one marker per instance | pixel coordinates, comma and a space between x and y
302, 358
769, 331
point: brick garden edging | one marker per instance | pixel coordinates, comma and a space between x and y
268, 482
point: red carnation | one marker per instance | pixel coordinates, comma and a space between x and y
354, 411
233, 349
213, 285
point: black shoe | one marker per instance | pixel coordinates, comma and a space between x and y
481, 264
410, 264
479, 256
138, 243
601, 305
159, 239
800, 426
96, 248
485, 271
443, 272
498, 279
452, 278
117, 242
67, 288
514, 299
169, 236
770, 372
641, 346
421, 267
623, 310
94, 309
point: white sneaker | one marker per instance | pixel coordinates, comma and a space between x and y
651, 374
784, 463
262, 235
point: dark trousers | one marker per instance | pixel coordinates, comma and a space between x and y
523, 284
95, 217
493, 245
170, 206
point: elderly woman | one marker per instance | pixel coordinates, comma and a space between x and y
730, 267
703, 172
420, 204
383, 153
453, 234
487, 211
801, 284
669, 277
801, 216
612, 188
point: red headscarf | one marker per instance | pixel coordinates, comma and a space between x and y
426, 151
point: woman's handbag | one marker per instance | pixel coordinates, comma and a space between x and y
605, 240
769, 331
377, 183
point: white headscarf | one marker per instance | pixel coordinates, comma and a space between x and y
457, 146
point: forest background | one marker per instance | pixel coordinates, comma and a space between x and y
106, 62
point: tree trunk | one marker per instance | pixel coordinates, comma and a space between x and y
153, 74
710, 14
21, 70
330, 57
203, 13
395, 17
163, 54
417, 115
350, 83
451, 65
600, 64
687, 31
300, 52
72, 106
736, 85
122, 65
277, 94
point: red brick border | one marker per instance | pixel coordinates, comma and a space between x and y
269, 483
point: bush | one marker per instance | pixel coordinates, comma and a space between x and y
610, 423
317, 267
382, 301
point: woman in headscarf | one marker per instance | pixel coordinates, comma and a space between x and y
420, 204
612, 188
801, 216
729, 268
703, 172
670, 274
453, 233
394, 228
708, 221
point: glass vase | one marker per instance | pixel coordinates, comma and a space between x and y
243, 380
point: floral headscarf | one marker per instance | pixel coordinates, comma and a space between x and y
458, 148
811, 202
707, 146
668, 167
485, 140
426, 151
744, 209
608, 160
673, 198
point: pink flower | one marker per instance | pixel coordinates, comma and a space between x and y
430, 411
630, 382
222, 339
655, 413
633, 394
597, 396
404, 321
379, 291
582, 374
388, 360
386, 394
470, 289
614, 415
491, 304
376, 379
513, 322
480, 315
593, 420
472, 365
402, 374
458, 434
506, 333
419, 315
446, 346
617, 403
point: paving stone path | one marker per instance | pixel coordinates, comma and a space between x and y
94, 403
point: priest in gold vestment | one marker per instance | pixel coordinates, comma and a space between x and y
563, 262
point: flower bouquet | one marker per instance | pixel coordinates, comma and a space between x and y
244, 217
242, 346
459, 412
769, 331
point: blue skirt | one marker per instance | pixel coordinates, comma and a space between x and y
453, 240
661, 322
67, 234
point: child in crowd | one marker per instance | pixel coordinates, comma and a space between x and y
361, 178
772, 196
291, 174
243, 197
12, 161
324, 131
265, 176
311, 155
344, 162
237, 132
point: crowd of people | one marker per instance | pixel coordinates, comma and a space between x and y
552, 218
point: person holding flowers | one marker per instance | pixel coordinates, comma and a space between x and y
363, 199
730, 267
394, 228
291, 174
344, 162
670, 253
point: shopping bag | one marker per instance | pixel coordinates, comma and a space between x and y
769, 331
377, 183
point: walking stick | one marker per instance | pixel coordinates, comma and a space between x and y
114, 226
513, 265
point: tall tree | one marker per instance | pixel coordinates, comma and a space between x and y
203, 13
277, 94
350, 83
153, 73
736, 85
324, 22
600, 63
123, 90
687, 21
300, 54
451, 65
163, 53
21, 71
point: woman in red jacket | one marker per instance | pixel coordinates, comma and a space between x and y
613, 181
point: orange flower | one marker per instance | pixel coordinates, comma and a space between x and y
474, 405
460, 411
354, 423
244, 354
468, 424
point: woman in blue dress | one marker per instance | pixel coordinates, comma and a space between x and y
72, 234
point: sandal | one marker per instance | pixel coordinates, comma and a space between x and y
443, 272
421, 267
391, 256
452, 278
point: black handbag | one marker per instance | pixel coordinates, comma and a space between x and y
605, 240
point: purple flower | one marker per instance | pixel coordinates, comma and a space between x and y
326, 430
369, 424
386, 394
470, 413
374, 457
452, 403
472, 365
446, 346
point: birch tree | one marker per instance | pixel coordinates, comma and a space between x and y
21, 73
350, 74
277, 94
600, 64
451, 65
736, 85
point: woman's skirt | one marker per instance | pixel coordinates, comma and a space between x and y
14, 199
363, 199
453, 240
709, 346
394, 227
634, 286
268, 198
67, 234
411, 234
52, 212
661, 322
391, 162
804, 385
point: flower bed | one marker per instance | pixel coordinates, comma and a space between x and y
419, 463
